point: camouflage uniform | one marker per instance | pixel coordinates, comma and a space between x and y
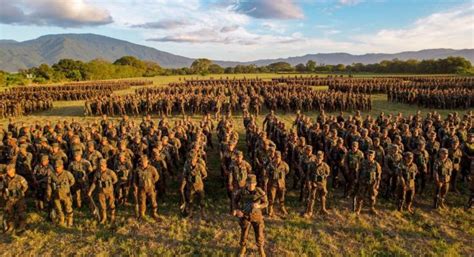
277, 171
104, 179
442, 170
13, 190
59, 191
193, 176
369, 182
407, 172
318, 172
144, 179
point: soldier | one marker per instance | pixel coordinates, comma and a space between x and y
369, 182
318, 172
239, 171
41, 174
353, 162
93, 156
442, 170
104, 179
80, 168
407, 171
13, 188
455, 155
336, 157
193, 179
23, 164
422, 159
249, 202
123, 169
143, 180
59, 191
277, 172
390, 172
57, 154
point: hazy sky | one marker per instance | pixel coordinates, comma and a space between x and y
248, 30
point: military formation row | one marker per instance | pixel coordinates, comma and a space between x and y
226, 98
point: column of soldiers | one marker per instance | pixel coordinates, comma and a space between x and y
16, 106
223, 98
114, 163
393, 155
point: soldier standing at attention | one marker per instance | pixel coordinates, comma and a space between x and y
143, 181
369, 182
59, 191
104, 179
13, 188
193, 178
318, 172
406, 176
278, 169
239, 171
79, 169
249, 202
353, 163
442, 170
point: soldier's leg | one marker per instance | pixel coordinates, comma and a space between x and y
189, 201
201, 196
271, 200
154, 204
281, 199
322, 195
111, 200
454, 178
409, 199
69, 211
59, 211
103, 207
258, 228
373, 199
401, 199
443, 193
436, 201
244, 233
142, 203
310, 204
9, 210
20, 212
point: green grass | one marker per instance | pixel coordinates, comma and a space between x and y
426, 233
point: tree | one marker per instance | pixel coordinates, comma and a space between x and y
311, 66
201, 66
131, 61
300, 67
215, 69
280, 66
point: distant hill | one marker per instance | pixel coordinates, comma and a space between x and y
51, 48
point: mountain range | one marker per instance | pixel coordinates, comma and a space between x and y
85, 47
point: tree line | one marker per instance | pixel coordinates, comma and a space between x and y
129, 66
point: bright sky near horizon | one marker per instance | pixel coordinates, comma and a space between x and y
248, 30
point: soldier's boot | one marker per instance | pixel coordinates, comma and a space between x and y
410, 209
112, 216
242, 251
359, 207
155, 214
103, 217
10, 226
61, 221
261, 251
270, 211
323, 210
436, 203
309, 210
441, 203
284, 211
70, 220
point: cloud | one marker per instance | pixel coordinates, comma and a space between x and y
448, 29
349, 2
230, 28
269, 9
60, 13
163, 24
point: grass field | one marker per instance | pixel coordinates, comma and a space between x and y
426, 233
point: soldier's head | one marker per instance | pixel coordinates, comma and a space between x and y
456, 142
59, 166
11, 171
308, 149
55, 147
251, 182
371, 155
443, 153
355, 146
239, 156
164, 140
23, 149
319, 157
103, 165
278, 156
408, 157
44, 160
421, 146
470, 138
340, 142
376, 141
77, 155
144, 161
90, 146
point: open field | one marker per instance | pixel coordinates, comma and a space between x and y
428, 232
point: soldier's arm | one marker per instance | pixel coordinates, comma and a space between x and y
263, 201
92, 187
24, 186
156, 176
230, 179
204, 172
71, 179
114, 177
